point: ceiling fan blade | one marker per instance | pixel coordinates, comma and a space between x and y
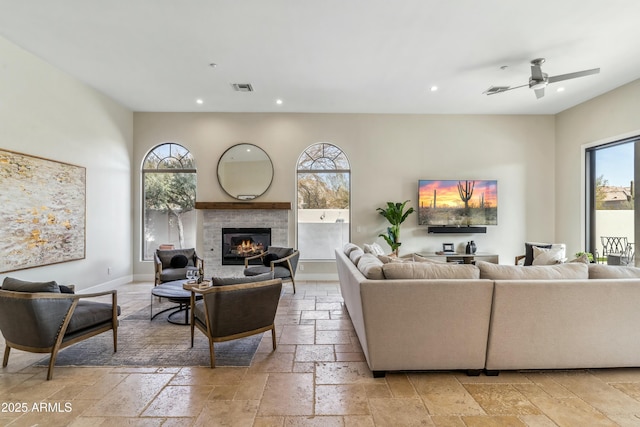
499, 89
539, 93
536, 72
577, 74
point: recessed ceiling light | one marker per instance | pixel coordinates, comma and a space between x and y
433, 88
279, 101
199, 101
213, 65
560, 89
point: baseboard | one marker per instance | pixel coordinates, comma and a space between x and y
318, 277
107, 286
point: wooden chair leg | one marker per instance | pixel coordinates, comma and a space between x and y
212, 355
115, 339
52, 362
273, 336
293, 282
5, 361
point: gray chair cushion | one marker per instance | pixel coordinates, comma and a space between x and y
165, 256
89, 314
223, 281
280, 252
11, 284
171, 274
279, 272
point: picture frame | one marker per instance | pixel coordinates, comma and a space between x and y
447, 247
43, 219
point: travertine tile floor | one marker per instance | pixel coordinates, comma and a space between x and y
317, 377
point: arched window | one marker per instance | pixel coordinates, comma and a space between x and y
324, 198
169, 197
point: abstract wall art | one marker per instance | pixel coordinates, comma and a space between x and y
42, 211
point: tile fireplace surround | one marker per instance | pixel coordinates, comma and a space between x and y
217, 216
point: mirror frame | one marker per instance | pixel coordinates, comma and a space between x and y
227, 153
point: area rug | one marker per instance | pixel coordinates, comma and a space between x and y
142, 342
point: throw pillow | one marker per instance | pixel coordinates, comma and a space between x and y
568, 271
373, 248
17, 285
550, 256
603, 271
419, 270
582, 258
179, 261
387, 259
66, 289
355, 256
349, 247
266, 260
223, 281
418, 258
528, 251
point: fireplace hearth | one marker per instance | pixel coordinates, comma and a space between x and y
240, 243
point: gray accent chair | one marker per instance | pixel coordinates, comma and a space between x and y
282, 261
166, 272
37, 317
229, 312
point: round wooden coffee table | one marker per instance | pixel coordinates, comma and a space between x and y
174, 292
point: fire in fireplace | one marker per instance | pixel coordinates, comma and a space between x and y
240, 243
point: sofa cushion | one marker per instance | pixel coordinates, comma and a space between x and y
423, 270
418, 258
603, 271
223, 281
355, 255
348, 247
547, 256
17, 285
371, 267
179, 261
568, 271
388, 258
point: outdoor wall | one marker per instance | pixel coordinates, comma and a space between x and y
388, 155
609, 117
46, 113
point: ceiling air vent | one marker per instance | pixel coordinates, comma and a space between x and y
242, 87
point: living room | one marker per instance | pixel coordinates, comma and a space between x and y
537, 159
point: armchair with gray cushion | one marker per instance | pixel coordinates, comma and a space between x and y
229, 312
172, 264
282, 261
37, 317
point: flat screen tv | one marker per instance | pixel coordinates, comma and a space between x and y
457, 202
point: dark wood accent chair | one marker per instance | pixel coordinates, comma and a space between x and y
230, 312
283, 263
48, 321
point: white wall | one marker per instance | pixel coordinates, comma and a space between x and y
388, 155
46, 113
609, 117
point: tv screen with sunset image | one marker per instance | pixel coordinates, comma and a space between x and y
458, 202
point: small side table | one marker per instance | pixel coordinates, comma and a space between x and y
174, 292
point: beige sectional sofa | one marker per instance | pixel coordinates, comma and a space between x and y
490, 317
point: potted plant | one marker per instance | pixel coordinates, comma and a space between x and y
589, 256
395, 214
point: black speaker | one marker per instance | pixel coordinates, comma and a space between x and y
446, 229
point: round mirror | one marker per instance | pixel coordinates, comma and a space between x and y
245, 171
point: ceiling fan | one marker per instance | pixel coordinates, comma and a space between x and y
539, 80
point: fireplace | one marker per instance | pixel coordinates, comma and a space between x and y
240, 243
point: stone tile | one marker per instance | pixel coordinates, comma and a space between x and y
493, 421
447, 421
407, 412
131, 396
307, 315
444, 395
208, 376
298, 334
333, 337
400, 385
179, 401
501, 399
316, 421
268, 422
287, 394
358, 421
315, 353
537, 421
344, 399
344, 373
350, 357
599, 394
238, 413
334, 325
